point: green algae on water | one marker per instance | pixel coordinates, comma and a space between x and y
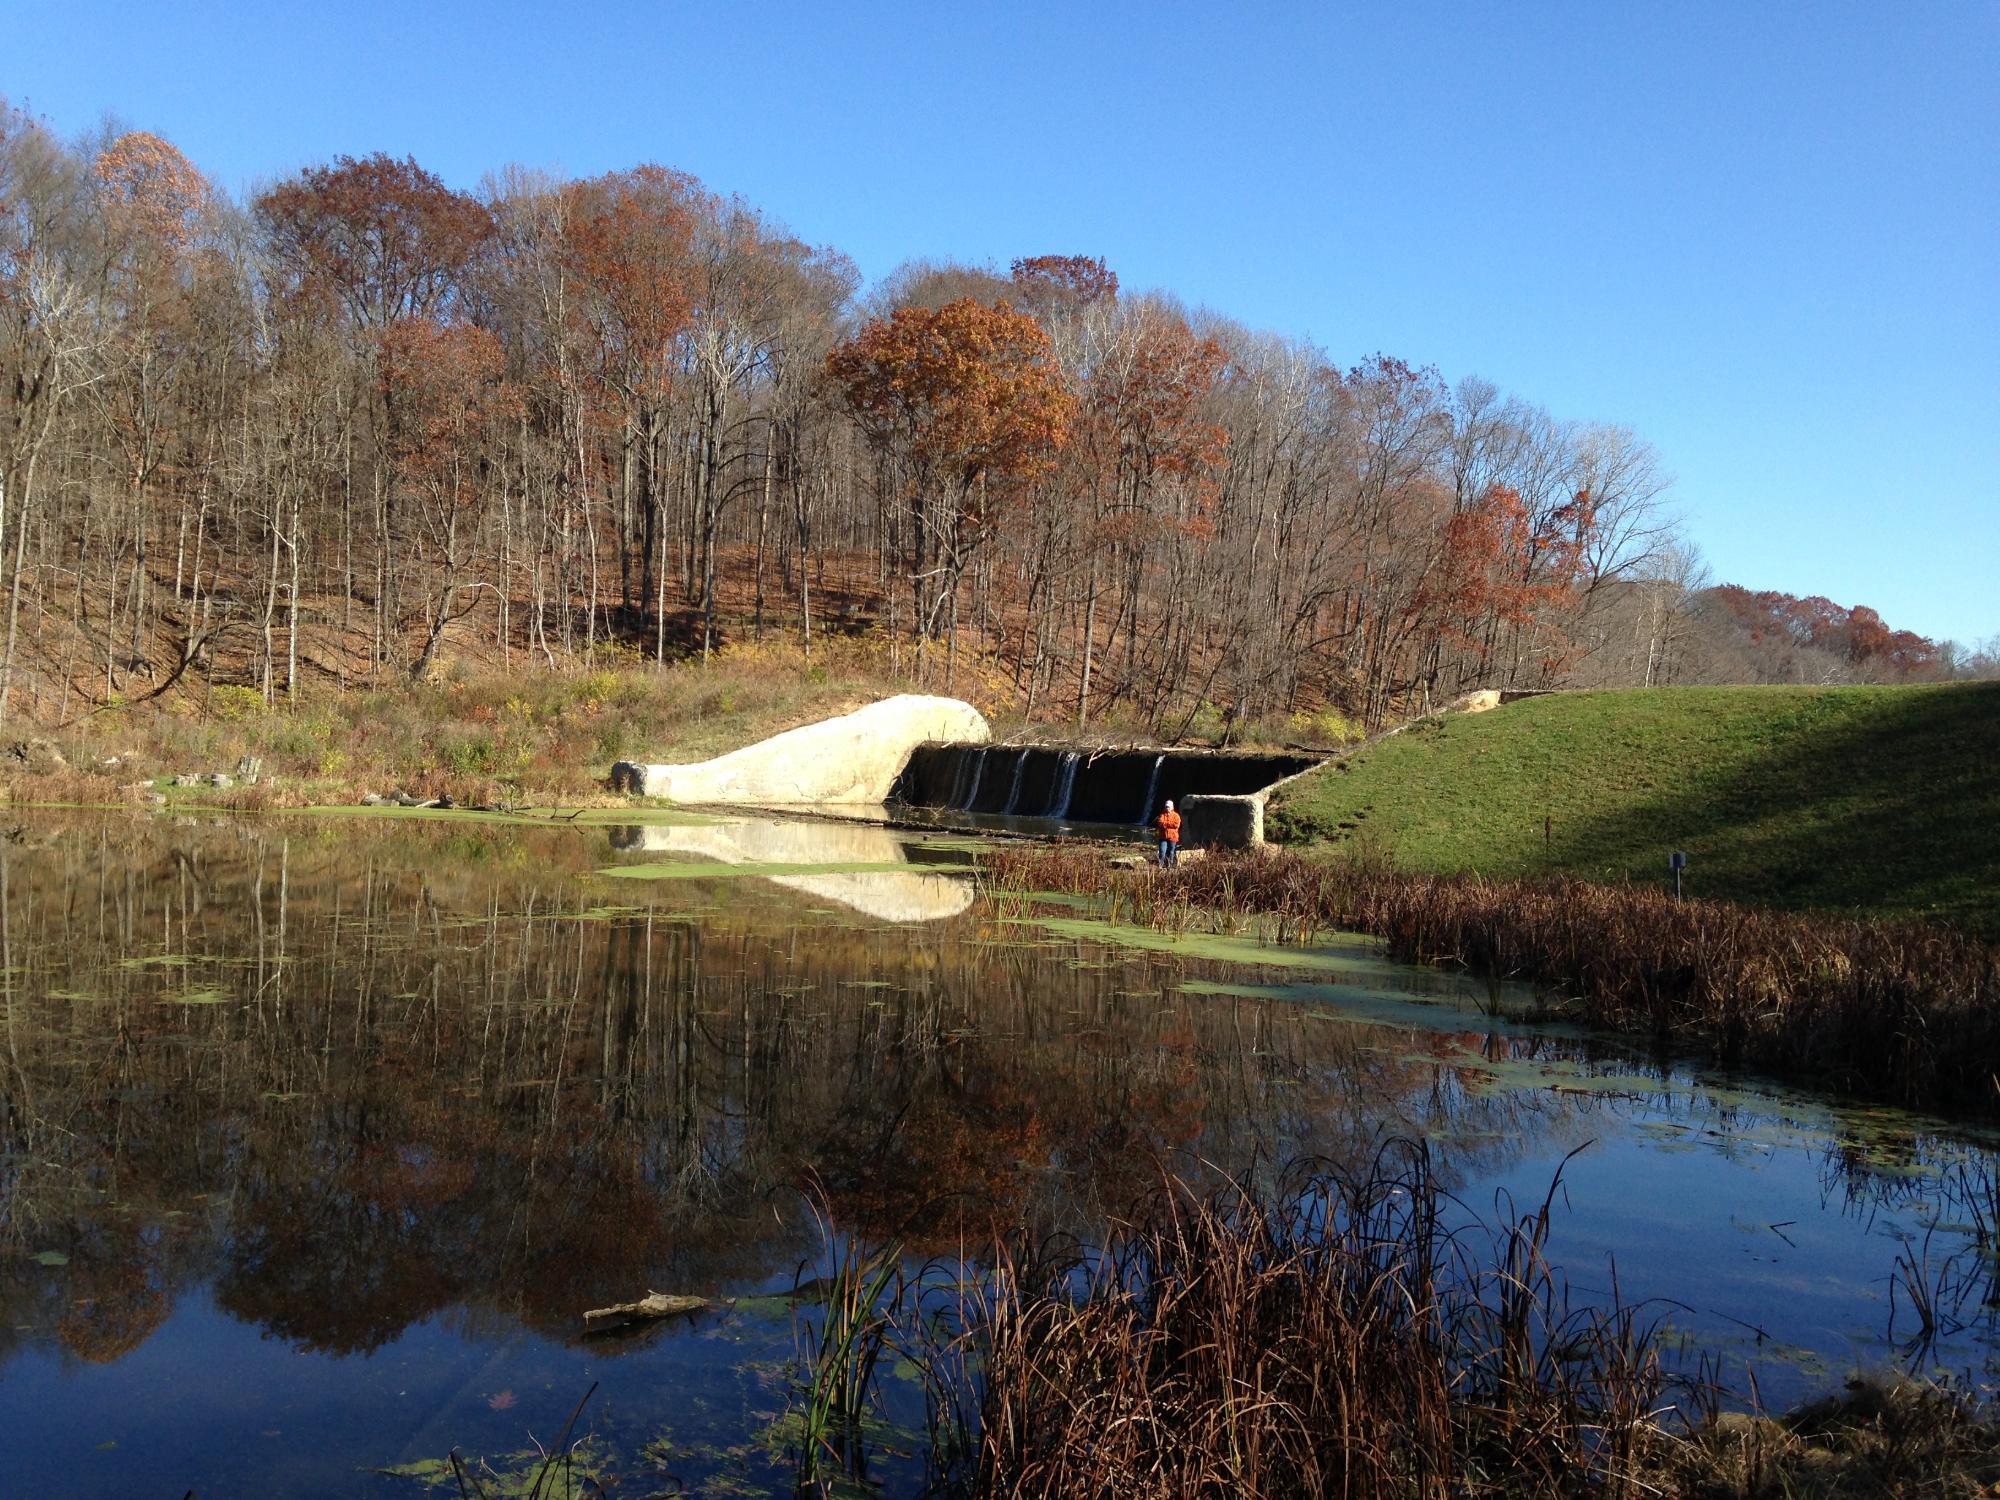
199, 996
1339, 953
582, 1468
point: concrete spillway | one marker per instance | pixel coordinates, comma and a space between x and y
851, 760
1079, 786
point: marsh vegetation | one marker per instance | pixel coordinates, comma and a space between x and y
1897, 1010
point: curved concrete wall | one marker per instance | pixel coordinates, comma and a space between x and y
852, 759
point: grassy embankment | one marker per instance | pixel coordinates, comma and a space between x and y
1530, 843
1876, 800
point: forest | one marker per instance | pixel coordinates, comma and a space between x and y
362, 425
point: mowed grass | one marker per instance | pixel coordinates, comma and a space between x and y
1871, 799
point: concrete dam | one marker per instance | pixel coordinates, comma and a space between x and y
1080, 786
936, 755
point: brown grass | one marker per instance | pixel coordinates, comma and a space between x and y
1328, 1334
1900, 1011
477, 734
1329, 1340
1899, 1438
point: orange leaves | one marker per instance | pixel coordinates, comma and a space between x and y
1153, 398
1858, 636
629, 239
1149, 451
1066, 282
1497, 562
155, 192
967, 391
424, 355
968, 402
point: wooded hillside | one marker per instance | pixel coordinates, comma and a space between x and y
364, 421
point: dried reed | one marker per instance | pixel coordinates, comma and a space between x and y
1329, 1339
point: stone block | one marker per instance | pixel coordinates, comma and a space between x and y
1220, 822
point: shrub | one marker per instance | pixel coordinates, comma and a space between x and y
233, 703
1329, 726
594, 689
1207, 722
471, 756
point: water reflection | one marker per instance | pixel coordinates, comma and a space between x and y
908, 894
425, 1092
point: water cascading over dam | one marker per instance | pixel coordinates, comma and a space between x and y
1079, 786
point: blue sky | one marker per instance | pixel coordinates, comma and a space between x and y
1765, 236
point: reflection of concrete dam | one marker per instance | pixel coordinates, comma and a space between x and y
1081, 786
913, 895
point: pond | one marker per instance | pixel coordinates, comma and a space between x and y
320, 1132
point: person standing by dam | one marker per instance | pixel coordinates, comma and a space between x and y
1169, 825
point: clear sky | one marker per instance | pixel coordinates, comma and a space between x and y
1766, 235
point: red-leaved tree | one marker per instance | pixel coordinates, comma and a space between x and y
958, 403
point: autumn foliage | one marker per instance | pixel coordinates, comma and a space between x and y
368, 420
383, 237
1856, 637
152, 191
967, 392
963, 403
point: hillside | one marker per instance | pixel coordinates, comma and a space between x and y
479, 732
1877, 798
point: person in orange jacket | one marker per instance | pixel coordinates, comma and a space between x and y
1169, 825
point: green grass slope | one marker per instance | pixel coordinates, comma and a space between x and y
1881, 799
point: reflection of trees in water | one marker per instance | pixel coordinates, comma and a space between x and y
437, 1081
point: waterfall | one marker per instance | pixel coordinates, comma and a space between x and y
1065, 785
1058, 784
1152, 786
1014, 792
978, 774
958, 765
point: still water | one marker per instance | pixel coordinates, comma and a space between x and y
319, 1133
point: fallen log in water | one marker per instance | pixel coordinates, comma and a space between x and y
656, 1305
652, 1306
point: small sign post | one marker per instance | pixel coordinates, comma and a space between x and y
1677, 862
